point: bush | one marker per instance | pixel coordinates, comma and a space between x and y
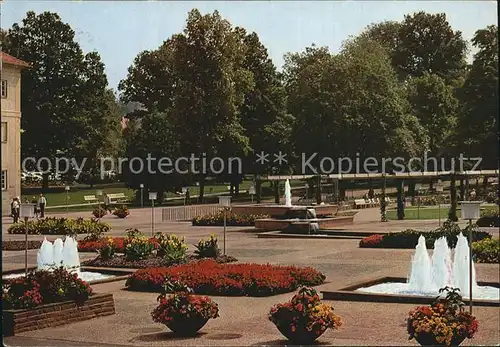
409, 238
138, 247
231, 219
44, 287
121, 212
490, 217
171, 247
107, 248
210, 278
486, 251
208, 248
17, 245
99, 212
60, 226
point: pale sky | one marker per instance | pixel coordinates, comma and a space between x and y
120, 30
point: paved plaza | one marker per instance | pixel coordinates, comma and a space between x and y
243, 320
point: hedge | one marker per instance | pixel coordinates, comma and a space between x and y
486, 251
60, 226
232, 219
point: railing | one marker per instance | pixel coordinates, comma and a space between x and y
187, 212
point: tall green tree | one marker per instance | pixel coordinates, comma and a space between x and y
478, 122
62, 94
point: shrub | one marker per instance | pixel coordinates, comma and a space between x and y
121, 212
107, 248
231, 219
99, 212
44, 287
409, 238
60, 226
442, 323
208, 248
486, 251
209, 277
171, 247
138, 247
18, 245
303, 315
490, 217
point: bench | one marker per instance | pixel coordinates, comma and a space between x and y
359, 203
90, 198
111, 199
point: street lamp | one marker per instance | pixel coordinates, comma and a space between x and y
439, 189
152, 197
470, 211
225, 203
26, 211
67, 199
142, 194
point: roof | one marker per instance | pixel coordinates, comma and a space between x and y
8, 59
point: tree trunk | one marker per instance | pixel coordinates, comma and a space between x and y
45, 182
276, 192
452, 214
318, 190
258, 190
401, 200
237, 189
485, 184
202, 189
462, 189
411, 191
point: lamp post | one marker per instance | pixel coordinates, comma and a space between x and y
67, 199
152, 197
142, 194
98, 193
439, 189
418, 186
470, 210
251, 191
26, 211
225, 203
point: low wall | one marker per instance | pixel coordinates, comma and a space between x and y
280, 210
51, 315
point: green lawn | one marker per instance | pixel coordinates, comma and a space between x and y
424, 213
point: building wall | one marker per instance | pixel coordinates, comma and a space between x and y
11, 149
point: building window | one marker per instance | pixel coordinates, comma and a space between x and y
4, 88
4, 131
4, 179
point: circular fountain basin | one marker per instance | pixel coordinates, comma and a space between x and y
86, 276
478, 292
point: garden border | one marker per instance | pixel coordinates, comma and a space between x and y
349, 293
56, 314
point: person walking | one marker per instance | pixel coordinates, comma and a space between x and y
15, 209
42, 202
35, 202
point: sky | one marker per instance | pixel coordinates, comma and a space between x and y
119, 30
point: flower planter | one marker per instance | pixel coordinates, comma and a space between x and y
301, 336
55, 314
425, 339
185, 326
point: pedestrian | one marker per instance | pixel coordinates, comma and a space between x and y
15, 209
188, 197
42, 202
35, 202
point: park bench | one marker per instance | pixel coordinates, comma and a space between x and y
111, 199
90, 198
359, 203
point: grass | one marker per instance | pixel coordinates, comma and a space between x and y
424, 213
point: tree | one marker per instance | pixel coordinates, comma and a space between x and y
202, 84
478, 121
421, 43
62, 94
435, 105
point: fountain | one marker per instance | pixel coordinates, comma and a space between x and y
428, 275
288, 194
63, 254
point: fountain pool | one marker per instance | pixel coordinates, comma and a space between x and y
428, 274
62, 254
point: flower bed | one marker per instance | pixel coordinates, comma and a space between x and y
232, 219
121, 211
490, 217
486, 251
211, 278
409, 238
304, 318
60, 226
15, 245
95, 246
442, 323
